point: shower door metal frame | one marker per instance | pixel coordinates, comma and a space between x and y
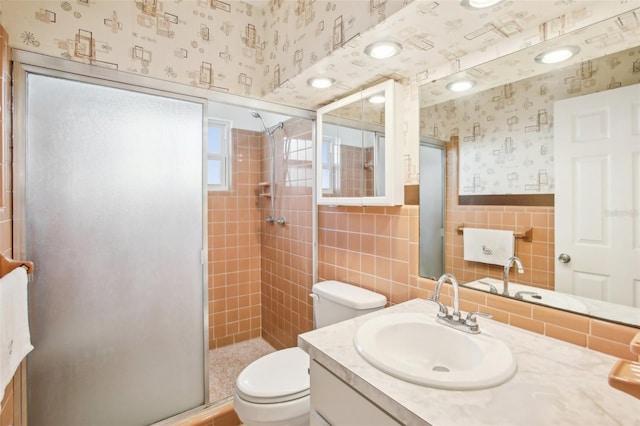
19, 130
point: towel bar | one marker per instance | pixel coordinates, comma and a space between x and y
8, 265
526, 235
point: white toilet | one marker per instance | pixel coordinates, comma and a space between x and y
274, 390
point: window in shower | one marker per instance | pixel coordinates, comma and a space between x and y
330, 165
218, 152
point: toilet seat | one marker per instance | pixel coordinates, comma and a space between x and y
278, 377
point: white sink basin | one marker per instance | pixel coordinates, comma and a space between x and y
415, 348
542, 296
556, 299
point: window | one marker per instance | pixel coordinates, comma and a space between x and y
330, 162
218, 153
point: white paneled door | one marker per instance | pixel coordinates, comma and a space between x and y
597, 206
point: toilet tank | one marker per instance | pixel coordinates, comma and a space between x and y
335, 301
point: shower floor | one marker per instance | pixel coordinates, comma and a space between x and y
226, 363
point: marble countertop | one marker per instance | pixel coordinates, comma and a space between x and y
556, 383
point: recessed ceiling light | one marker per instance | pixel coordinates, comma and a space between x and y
321, 82
461, 85
479, 4
377, 99
383, 49
556, 55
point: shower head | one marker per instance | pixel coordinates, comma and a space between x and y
269, 130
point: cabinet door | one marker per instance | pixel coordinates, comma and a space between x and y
333, 402
359, 161
342, 153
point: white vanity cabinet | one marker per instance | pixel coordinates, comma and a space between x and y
334, 402
360, 149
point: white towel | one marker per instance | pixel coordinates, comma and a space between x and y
488, 245
15, 339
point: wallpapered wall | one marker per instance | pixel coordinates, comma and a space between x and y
506, 133
228, 46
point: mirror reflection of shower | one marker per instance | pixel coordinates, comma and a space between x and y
272, 172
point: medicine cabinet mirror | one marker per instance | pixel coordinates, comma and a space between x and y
358, 153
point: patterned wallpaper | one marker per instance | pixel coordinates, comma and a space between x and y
228, 46
440, 38
269, 48
506, 133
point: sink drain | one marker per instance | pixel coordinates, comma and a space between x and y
441, 368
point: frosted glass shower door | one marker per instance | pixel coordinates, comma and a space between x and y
114, 223
432, 208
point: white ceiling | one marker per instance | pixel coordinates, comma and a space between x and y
597, 40
440, 38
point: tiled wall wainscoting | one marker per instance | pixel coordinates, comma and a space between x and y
234, 247
377, 248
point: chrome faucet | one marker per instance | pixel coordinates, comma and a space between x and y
469, 324
456, 296
492, 288
505, 274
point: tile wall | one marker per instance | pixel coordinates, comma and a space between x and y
537, 256
351, 160
377, 248
287, 251
356, 171
260, 275
369, 247
234, 247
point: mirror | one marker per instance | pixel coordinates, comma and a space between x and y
352, 148
432, 207
503, 167
356, 136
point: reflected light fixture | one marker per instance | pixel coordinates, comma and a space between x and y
461, 85
556, 55
479, 4
321, 82
383, 49
377, 99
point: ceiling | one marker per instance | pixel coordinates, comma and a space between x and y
595, 41
440, 38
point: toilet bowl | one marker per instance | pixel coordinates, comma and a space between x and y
274, 390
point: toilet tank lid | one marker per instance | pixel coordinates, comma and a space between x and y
349, 295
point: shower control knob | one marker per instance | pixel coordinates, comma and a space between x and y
564, 258
281, 221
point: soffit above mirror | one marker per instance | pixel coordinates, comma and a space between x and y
439, 38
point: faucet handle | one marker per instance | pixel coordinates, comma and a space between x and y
443, 311
521, 293
471, 317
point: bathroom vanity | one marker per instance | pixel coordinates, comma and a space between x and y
555, 383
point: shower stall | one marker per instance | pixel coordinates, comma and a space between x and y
141, 271
261, 272
109, 202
